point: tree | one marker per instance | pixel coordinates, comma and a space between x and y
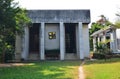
12, 20
101, 23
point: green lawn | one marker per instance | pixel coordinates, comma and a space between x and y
101, 69
42, 70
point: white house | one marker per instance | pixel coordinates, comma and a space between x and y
54, 34
109, 33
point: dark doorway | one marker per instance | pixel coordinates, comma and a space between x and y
108, 44
34, 38
70, 37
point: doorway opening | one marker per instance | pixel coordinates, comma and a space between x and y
108, 44
70, 37
34, 38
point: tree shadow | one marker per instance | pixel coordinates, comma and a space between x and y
40, 70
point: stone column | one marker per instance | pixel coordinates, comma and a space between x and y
94, 43
18, 47
81, 42
115, 39
42, 41
104, 36
62, 41
98, 39
25, 43
112, 46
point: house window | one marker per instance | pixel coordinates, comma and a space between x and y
52, 35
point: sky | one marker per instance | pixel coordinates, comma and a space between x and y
97, 7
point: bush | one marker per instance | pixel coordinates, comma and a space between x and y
98, 56
9, 56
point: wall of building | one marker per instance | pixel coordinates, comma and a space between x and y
86, 40
56, 16
77, 41
18, 49
118, 38
51, 44
118, 33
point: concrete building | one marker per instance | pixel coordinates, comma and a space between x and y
55, 34
109, 33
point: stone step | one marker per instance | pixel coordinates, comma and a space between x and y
34, 57
71, 56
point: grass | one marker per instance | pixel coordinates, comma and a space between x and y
101, 69
42, 70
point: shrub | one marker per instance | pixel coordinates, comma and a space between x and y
9, 56
98, 56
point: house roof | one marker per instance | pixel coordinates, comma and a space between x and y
56, 16
102, 30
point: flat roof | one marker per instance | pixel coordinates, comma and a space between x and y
56, 16
102, 30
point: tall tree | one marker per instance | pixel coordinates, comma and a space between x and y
12, 20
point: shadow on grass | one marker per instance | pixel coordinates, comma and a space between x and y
41, 70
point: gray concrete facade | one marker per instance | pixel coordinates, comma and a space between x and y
56, 16
54, 21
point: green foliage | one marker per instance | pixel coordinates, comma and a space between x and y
99, 25
117, 24
12, 21
102, 49
95, 27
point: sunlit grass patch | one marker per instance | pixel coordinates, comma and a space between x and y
101, 69
42, 70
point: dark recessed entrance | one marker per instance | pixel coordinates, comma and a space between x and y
70, 37
34, 38
108, 44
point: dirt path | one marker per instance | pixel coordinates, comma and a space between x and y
81, 71
11, 64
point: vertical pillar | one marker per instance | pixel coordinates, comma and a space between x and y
104, 36
81, 43
98, 39
62, 41
115, 39
42, 43
26, 44
112, 42
94, 43
18, 47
